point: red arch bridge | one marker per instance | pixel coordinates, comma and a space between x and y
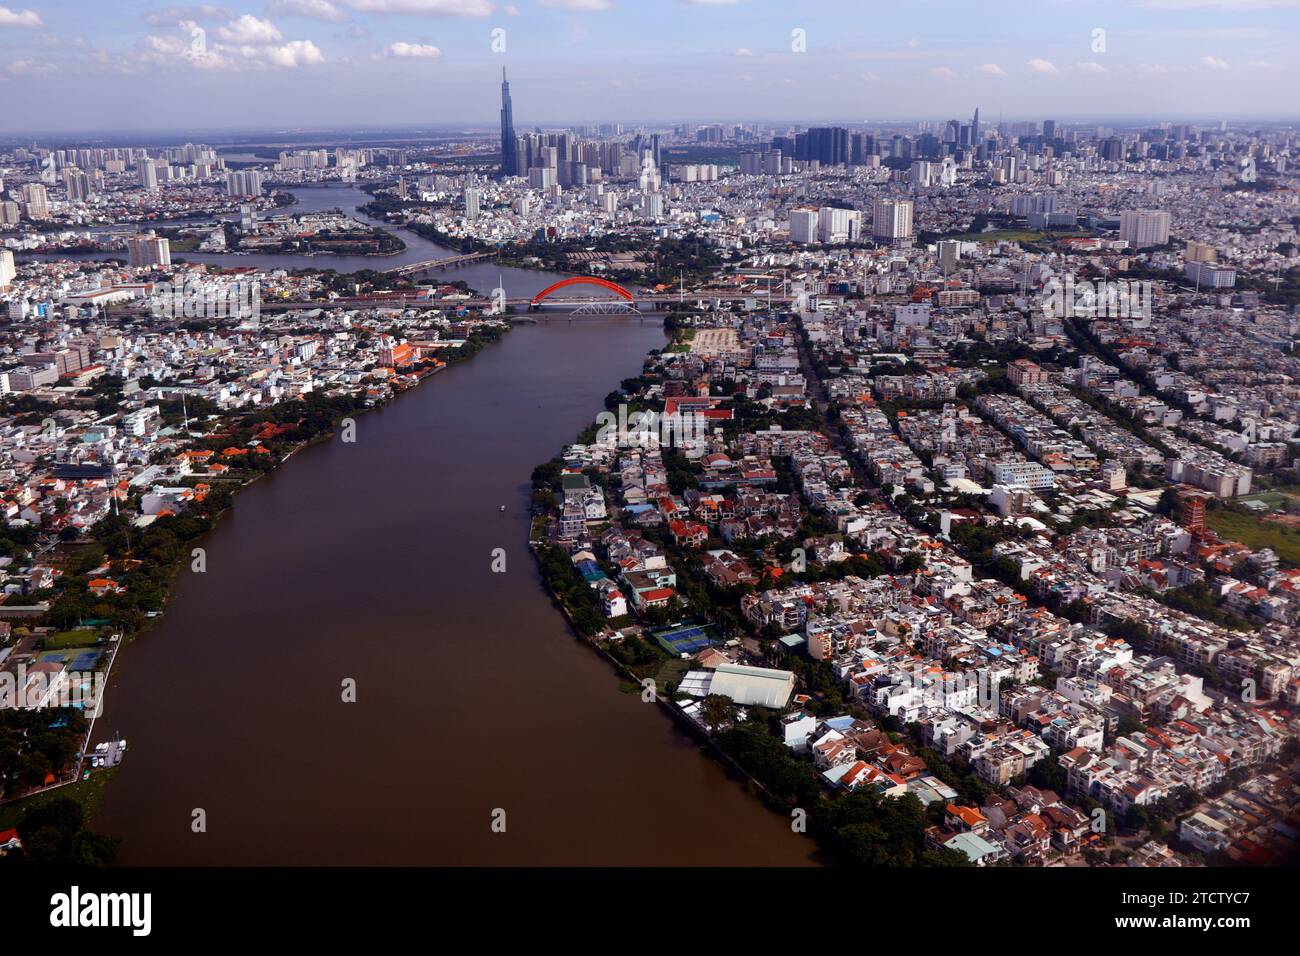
624, 305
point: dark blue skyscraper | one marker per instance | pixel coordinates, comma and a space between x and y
509, 165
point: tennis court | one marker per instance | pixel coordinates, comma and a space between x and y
685, 638
84, 661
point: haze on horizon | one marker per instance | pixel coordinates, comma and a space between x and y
285, 64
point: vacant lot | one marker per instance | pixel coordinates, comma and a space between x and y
1002, 235
715, 341
1257, 532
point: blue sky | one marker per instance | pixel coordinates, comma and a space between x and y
130, 64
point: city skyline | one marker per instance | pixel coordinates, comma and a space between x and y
424, 62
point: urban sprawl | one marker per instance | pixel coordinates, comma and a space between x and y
961, 506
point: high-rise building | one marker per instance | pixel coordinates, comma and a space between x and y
541, 177
76, 183
471, 203
148, 174
975, 127
835, 225
7, 270
1210, 275
949, 255
924, 173
1143, 228
246, 183
803, 225
892, 220
509, 165
829, 145
35, 201
149, 250
1038, 203
1111, 149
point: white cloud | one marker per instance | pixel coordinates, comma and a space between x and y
293, 54
311, 9
30, 67
28, 19
744, 51
1042, 66
434, 8
248, 29
165, 45
512, 10
1090, 67
944, 72
1220, 4
177, 50
992, 69
1214, 63
417, 50
169, 16
588, 5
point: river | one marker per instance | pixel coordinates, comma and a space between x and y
481, 275
371, 562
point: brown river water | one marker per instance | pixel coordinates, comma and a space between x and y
372, 561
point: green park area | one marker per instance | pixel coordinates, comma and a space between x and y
1001, 235
62, 640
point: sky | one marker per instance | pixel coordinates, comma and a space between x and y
121, 65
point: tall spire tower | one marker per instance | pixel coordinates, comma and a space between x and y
509, 166
975, 128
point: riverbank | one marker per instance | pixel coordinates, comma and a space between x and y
659, 586
642, 685
373, 561
149, 560
649, 690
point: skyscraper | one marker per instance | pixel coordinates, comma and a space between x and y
1143, 228
148, 174
509, 164
892, 220
975, 128
829, 145
247, 182
148, 250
